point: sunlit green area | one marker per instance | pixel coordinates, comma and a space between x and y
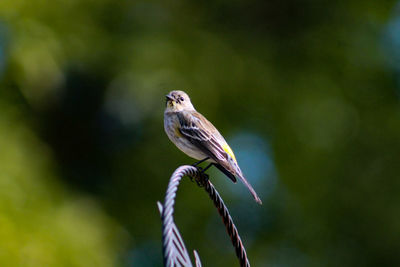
306, 92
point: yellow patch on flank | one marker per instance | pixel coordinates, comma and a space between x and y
228, 150
177, 132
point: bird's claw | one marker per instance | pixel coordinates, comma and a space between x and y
196, 179
201, 178
198, 182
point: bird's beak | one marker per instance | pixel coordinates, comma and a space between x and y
169, 97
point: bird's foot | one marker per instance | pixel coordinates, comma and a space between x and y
201, 178
198, 179
200, 161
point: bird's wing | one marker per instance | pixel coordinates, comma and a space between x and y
201, 133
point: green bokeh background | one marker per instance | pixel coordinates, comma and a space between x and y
306, 92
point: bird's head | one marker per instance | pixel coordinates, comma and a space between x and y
178, 101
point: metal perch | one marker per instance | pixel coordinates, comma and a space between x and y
174, 250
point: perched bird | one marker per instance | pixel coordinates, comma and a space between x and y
193, 134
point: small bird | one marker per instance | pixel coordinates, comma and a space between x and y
194, 135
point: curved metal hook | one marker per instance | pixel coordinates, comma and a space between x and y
174, 249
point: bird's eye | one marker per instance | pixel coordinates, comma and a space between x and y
181, 99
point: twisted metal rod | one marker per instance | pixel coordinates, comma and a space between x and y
174, 250
227, 220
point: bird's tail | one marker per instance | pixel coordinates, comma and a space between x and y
251, 189
236, 172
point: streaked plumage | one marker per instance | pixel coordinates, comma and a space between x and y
194, 135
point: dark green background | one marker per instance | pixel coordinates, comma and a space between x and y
306, 93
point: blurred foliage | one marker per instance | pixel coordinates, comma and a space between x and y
42, 224
306, 91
